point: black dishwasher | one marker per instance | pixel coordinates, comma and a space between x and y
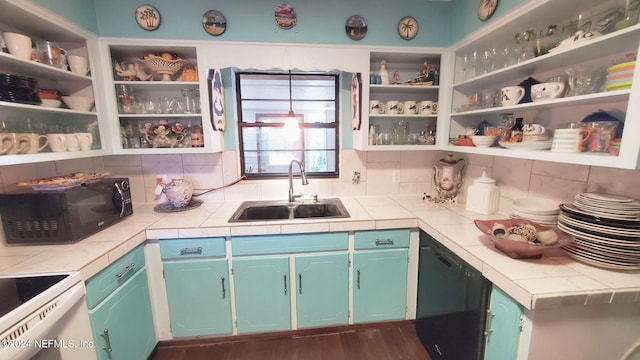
452, 303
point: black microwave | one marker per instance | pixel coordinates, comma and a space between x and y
68, 215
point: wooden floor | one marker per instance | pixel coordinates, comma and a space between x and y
379, 342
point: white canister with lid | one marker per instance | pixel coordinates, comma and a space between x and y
483, 196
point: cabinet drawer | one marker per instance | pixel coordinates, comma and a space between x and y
108, 280
277, 244
192, 248
376, 239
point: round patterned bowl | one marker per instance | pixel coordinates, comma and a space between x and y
167, 68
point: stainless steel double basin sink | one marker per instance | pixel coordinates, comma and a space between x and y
282, 210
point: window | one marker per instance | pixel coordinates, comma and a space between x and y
269, 139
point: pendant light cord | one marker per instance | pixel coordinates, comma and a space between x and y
290, 97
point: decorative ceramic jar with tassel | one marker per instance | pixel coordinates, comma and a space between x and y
179, 192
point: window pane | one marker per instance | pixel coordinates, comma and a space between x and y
320, 161
276, 87
320, 139
312, 111
275, 162
271, 138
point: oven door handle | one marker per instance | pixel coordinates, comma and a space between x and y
49, 315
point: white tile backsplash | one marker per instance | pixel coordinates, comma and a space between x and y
407, 173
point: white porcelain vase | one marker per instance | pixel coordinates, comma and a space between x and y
179, 192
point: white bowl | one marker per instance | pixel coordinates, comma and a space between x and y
536, 206
483, 140
78, 103
51, 103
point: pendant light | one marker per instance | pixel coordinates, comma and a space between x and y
291, 114
291, 127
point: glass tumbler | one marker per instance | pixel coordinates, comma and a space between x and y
126, 102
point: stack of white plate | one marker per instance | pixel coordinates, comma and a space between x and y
541, 211
606, 229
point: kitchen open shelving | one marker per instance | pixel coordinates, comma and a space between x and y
27, 118
599, 52
408, 65
136, 129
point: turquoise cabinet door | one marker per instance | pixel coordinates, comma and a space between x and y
123, 322
322, 289
504, 321
379, 285
198, 296
262, 293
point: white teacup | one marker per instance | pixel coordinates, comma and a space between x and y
8, 144
570, 140
410, 107
376, 107
86, 140
18, 45
394, 107
533, 129
29, 143
73, 142
426, 107
511, 95
57, 142
546, 91
78, 64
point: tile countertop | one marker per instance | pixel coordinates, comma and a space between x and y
552, 281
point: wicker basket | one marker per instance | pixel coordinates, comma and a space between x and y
166, 68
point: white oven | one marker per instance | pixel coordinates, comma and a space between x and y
44, 317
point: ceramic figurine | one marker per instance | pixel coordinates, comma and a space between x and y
384, 74
141, 75
396, 77
128, 74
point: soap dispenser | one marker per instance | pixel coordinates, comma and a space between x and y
483, 196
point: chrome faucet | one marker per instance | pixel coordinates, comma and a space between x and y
303, 177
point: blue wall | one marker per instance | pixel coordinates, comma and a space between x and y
319, 21
251, 20
81, 12
441, 23
466, 20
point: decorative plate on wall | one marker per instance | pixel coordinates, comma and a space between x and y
408, 27
148, 17
356, 27
486, 9
214, 23
285, 16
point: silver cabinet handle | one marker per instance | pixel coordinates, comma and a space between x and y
384, 242
487, 325
358, 278
300, 283
193, 250
224, 290
126, 270
107, 341
285, 285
